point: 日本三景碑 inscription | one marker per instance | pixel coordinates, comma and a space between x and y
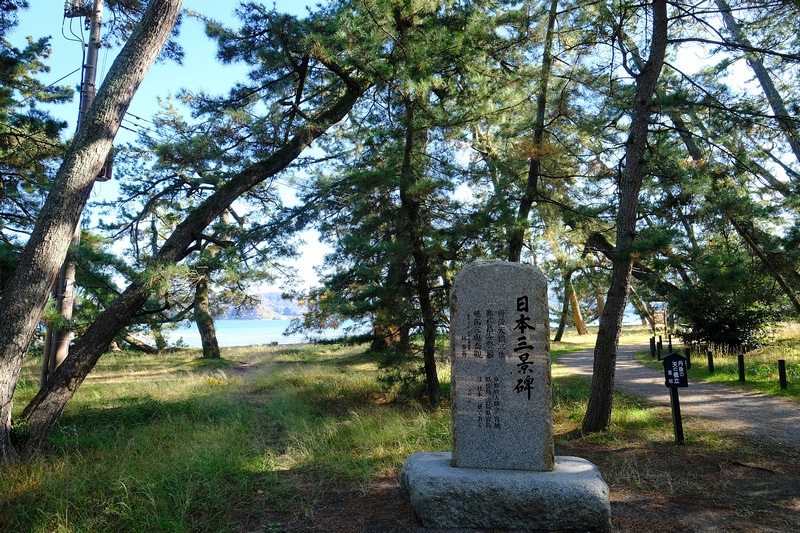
500, 376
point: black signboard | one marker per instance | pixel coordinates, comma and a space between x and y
675, 371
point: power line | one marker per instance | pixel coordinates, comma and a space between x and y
78, 38
137, 132
58, 80
62, 78
141, 127
140, 118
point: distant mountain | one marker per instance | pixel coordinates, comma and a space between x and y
272, 306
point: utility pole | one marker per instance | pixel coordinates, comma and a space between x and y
57, 339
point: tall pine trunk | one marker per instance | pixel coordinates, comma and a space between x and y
26, 294
203, 318
598, 413
517, 234
411, 206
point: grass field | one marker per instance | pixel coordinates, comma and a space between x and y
302, 438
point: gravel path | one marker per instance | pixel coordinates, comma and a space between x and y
738, 410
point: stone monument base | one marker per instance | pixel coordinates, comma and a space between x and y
573, 496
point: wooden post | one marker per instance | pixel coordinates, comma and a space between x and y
782, 373
652, 346
675, 376
710, 361
688, 352
741, 366
677, 423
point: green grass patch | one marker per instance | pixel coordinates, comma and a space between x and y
177, 443
272, 434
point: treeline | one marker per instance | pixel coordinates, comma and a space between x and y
635, 152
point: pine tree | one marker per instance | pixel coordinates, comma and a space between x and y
598, 414
29, 142
387, 203
28, 289
277, 77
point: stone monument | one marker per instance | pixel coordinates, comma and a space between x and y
502, 472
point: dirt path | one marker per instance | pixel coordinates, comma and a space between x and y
735, 409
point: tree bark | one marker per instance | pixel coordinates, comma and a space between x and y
598, 413
65, 295
562, 323
203, 318
139, 345
26, 294
580, 326
517, 235
45, 408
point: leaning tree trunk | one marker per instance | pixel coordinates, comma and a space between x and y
696, 153
580, 326
601, 302
644, 314
786, 122
771, 268
598, 413
136, 344
27, 291
44, 409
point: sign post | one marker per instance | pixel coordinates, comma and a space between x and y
674, 377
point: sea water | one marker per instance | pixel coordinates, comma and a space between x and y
250, 332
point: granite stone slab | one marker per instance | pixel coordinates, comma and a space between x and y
501, 395
571, 497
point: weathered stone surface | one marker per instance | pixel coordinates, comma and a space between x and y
501, 398
572, 496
